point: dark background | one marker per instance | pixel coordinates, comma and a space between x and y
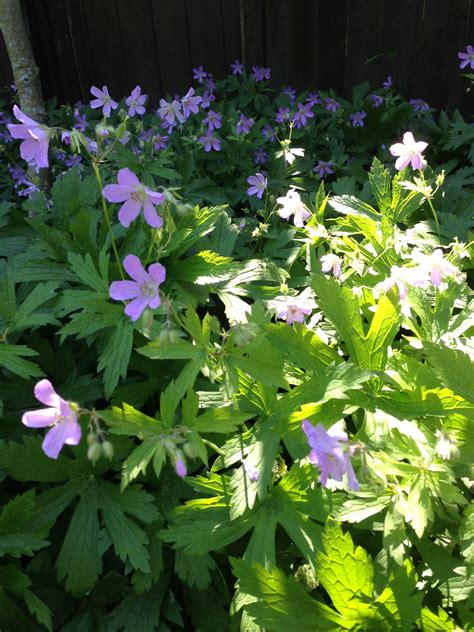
310, 44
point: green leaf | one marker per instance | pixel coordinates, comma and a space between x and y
281, 604
85, 269
130, 541
194, 570
18, 535
220, 420
382, 331
80, 559
131, 422
39, 609
454, 368
27, 462
340, 305
138, 460
440, 622
176, 389
11, 358
345, 571
138, 612
350, 205
205, 268
115, 356
380, 183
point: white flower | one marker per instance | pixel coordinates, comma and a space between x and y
433, 267
292, 205
410, 151
331, 262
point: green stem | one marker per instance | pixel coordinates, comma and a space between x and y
107, 219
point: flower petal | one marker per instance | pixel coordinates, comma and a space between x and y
40, 418
129, 211
63, 432
151, 216
45, 393
124, 290
157, 272
117, 192
136, 307
127, 178
134, 269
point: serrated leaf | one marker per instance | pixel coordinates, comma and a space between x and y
345, 571
115, 356
138, 460
18, 535
380, 182
454, 368
12, 358
383, 328
281, 604
85, 269
194, 570
80, 560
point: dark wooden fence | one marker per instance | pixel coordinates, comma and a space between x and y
314, 44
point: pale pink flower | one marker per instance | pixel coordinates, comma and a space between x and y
136, 196
331, 262
34, 148
103, 100
410, 151
144, 289
61, 415
292, 205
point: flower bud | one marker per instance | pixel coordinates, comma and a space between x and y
94, 452
445, 446
108, 449
180, 465
91, 438
190, 450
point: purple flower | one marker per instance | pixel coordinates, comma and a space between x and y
190, 103
207, 99
331, 262
419, 105
144, 289
408, 152
135, 102
251, 471
331, 104
331, 452
290, 92
35, 137
199, 74
209, 83
282, 115
376, 100
81, 124
268, 133
180, 468
258, 184
323, 168
243, 125
73, 161
136, 196
103, 100
260, 156
313, 99
213, 121
237, 67
388, 83
260, 73
467, 58
292, 205
357, 119
210, 142
170, 111
293, 309
159, 142
61, 415
300, 118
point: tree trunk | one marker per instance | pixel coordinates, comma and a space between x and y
25, 71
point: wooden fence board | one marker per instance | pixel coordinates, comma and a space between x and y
309, 44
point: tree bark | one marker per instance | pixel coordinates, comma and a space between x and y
25, 72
